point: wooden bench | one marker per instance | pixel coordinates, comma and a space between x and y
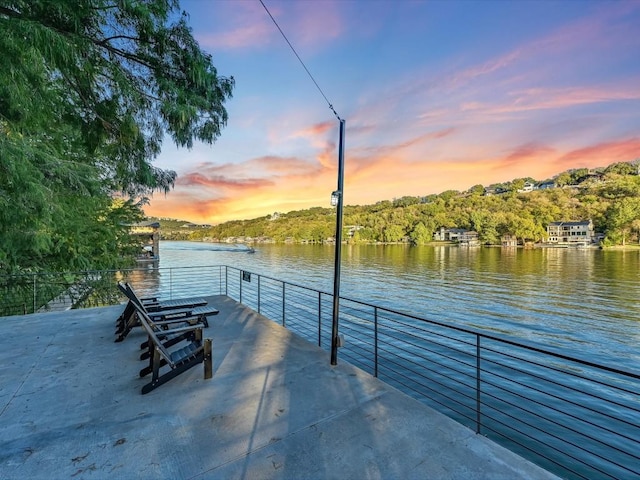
191, 350
191, 310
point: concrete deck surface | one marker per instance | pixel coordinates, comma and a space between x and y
70, 407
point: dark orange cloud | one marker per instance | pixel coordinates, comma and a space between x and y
601, 154
528, 151
192, 179
317, 129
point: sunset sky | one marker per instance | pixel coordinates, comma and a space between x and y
436, 95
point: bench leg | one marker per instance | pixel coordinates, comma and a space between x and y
126, 322
162, 379
208, 362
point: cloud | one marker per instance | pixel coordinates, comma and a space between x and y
528, 151
308, 25
556, 98
315, 130
193, 179
602, 153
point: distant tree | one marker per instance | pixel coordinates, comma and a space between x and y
578, 175
406, 201
563, 179
623, 216
476, 190
517, 185
449, 194
622, 168
393, 233
420, 234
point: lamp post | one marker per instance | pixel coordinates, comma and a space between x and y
337, 197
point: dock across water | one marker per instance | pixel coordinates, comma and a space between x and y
70, 407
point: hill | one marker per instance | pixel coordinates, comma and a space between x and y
609, 196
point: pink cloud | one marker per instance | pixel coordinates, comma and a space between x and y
317, 129
192, 179
306, 25
528, 151
602, 153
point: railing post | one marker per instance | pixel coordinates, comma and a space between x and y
240, 272
283, 304
478, 420
258, 293
226, 280
375, 340
320, 319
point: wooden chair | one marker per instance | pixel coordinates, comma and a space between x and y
191, 350
166, 312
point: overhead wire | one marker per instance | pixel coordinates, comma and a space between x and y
300, 60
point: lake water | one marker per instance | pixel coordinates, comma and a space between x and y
573, 420
580, 302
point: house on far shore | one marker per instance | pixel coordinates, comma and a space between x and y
469, 238
509, 240
460, 235
528, 187
546, 185
149, 234
448, 234
570, 233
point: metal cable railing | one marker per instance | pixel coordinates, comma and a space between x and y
573, 417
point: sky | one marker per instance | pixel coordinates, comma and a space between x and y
435, 95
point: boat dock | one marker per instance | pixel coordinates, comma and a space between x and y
70, 407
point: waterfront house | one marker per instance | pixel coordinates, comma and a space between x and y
448, 234
149, 234
546, 185
469, 238
352, 229
527, 187
571, 233
509, 240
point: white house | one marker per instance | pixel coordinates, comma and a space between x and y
448, 234
570, 232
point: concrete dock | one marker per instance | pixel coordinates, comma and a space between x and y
71, 408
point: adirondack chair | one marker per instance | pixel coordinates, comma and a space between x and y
163, 312
189, 351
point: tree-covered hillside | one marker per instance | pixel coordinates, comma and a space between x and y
609, 196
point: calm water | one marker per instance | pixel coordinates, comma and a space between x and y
580, 302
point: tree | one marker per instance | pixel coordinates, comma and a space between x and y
563, 179
392, 233
420, 234
517, 185
88, 91
623, 216
622, 168
477, 190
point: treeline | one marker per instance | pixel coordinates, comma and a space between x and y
609, 196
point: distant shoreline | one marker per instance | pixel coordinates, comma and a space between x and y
250, 245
